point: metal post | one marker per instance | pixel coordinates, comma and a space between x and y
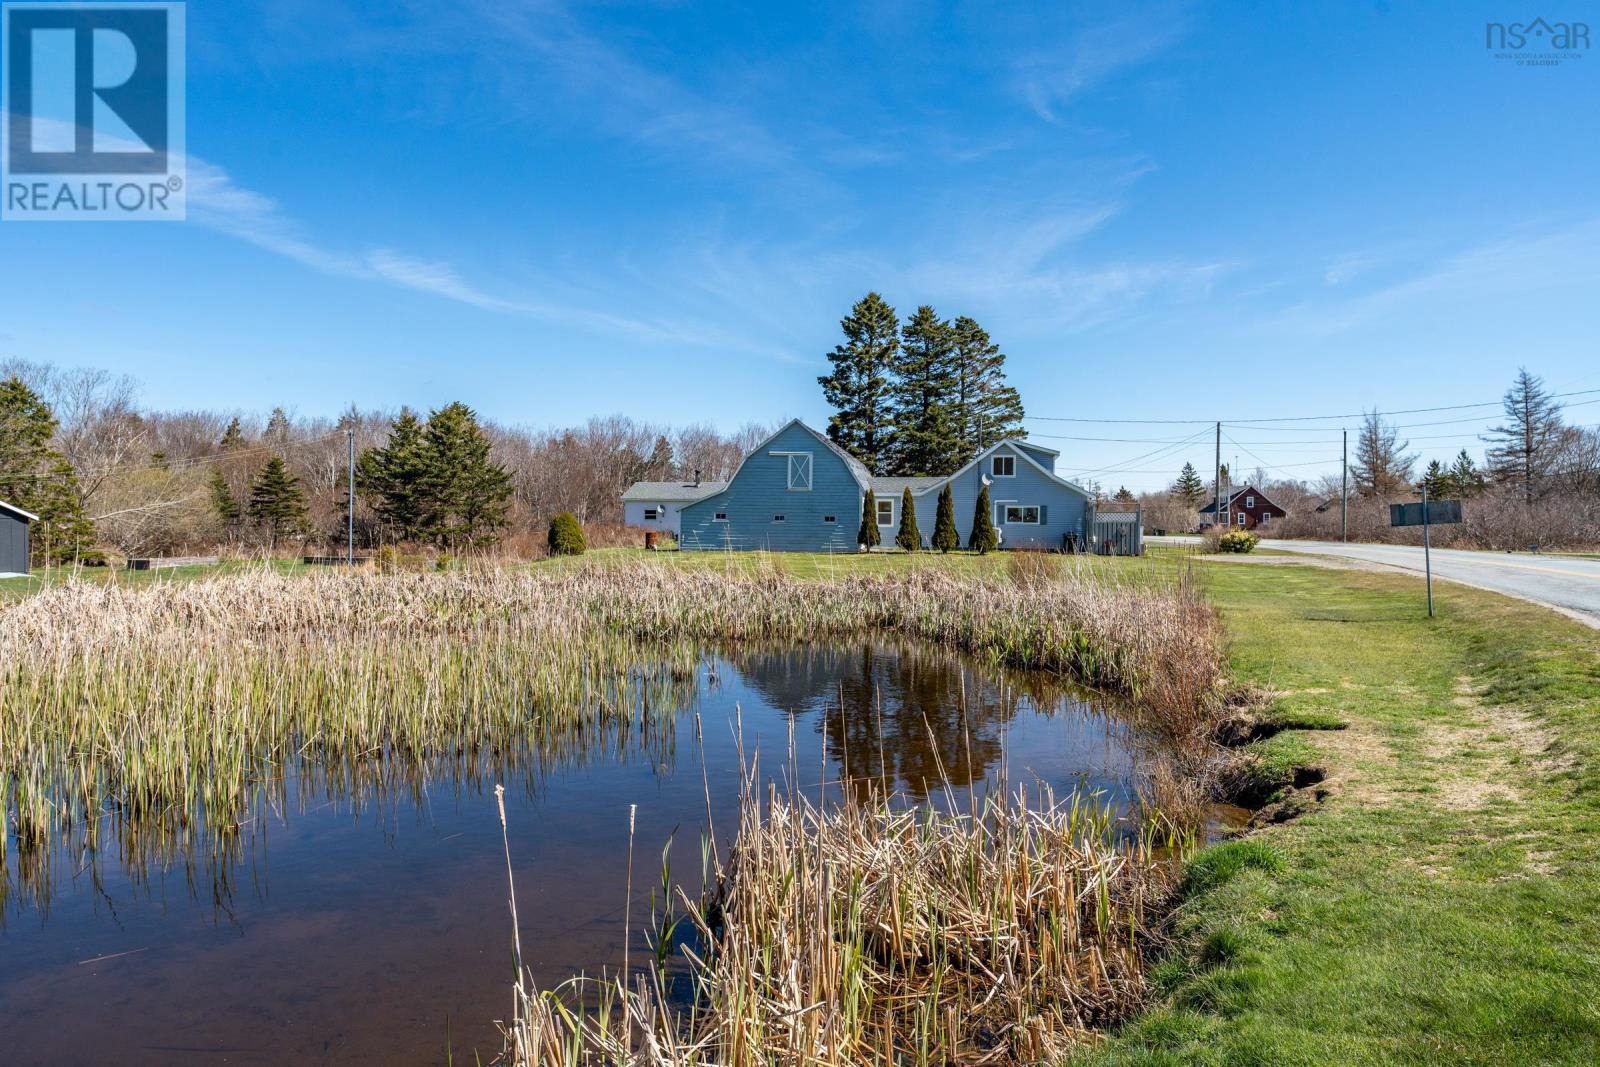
350, 508
1217, 518
1344, 490
1427, 548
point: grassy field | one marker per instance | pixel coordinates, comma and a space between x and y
1442, 905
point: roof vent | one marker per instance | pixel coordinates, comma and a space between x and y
697, 477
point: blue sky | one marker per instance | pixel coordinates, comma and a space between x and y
1165, 211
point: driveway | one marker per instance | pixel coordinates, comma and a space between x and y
1566, 583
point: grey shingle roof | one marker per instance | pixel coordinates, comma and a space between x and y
896, 486
671, 492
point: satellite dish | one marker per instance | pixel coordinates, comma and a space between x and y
986, 480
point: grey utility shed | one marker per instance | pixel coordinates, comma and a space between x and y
14, 538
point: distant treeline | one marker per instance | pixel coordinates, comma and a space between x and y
109, 476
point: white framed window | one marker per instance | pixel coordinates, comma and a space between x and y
886, 513
777, 518
1003, 466
1022, 514
652, 514
1241, 518
1249, 501
721, 516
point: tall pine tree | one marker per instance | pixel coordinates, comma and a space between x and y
466, 495
927, 440
1189, 488
858, 388
1527, 445
391, 477
277, 502
986, 409
36, 477
1465, 476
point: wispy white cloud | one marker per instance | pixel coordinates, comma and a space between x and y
1052, 76
1494, 278
217, 202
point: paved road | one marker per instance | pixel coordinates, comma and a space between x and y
1563, 582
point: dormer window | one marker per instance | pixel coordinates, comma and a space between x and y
1003, 466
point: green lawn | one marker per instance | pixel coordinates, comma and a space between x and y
15, 588
1442, 905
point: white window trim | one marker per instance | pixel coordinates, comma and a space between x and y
1241, 518
789, 470
1010, 460
1249, 501
1020, 507
893, 503
652, 514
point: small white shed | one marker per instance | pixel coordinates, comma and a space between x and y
656, 505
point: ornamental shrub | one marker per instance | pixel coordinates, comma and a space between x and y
1239, 541
566, 536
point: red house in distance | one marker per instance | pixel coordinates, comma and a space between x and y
1246, 509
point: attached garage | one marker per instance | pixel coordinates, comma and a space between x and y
14, 538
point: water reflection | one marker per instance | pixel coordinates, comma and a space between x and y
353, 911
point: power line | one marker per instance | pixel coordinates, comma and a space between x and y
1260, 422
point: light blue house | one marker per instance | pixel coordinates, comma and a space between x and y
800, 492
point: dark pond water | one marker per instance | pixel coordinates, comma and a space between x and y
365, 922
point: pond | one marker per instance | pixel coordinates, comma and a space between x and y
361, 918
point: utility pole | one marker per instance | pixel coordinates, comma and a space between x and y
1427, 547
1218, 483
1344, 490
350, 508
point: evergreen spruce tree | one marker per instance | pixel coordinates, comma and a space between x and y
64, 526
1438, 480
232, 437
983, 539
391, 477
278, 429
1465, 476
1529, 442
868, 535
277, 502
945, 535
466, 495
909, 537
36, 477
927, 437
659, 467
985, 408
1123, 496
1382, 467
224, 504
858, 389
1189, 488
